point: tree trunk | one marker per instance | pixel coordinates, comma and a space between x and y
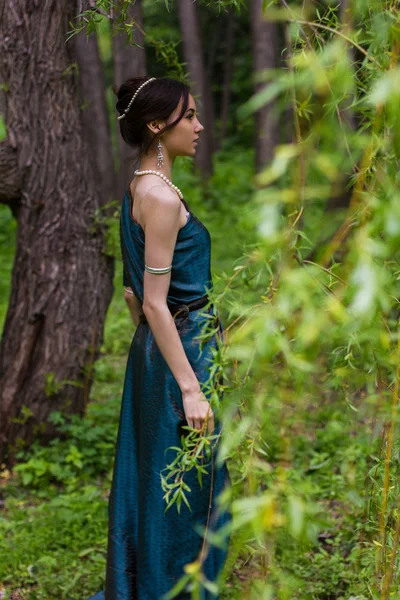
129, 61
345, 16
199, 83
228, 56
94, 113
342, 197
265, 56
62, 277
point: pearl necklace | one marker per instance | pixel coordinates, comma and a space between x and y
174, 187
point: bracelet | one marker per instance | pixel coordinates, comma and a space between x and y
157, 270
129, 290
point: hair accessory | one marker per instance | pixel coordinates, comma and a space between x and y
134, 96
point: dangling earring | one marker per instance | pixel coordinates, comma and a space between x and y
160, 157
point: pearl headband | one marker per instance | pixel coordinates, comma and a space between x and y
134, 96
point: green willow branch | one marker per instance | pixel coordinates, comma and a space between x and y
339, 33
388, 460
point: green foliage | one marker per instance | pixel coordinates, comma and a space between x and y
83, 451
7, 245
194, 453
54, 549
3, 129
312, 423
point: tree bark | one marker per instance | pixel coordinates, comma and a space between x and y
199, 83
94, 113
129, 61
265, 47
342, 198
228, 56
62, 276
346, 22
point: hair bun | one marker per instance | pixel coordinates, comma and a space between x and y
118, 106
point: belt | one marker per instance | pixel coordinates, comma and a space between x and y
181, 309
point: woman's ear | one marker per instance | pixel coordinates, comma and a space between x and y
154, 126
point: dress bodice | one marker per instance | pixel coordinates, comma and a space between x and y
191, 264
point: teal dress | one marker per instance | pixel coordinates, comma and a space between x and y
147, 547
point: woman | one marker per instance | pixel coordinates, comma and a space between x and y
166, 256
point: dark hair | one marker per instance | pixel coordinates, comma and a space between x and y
156, 100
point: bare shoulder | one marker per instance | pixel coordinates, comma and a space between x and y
161, 209
163, 201
162, 194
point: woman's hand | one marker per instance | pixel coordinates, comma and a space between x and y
134, 305
198, 412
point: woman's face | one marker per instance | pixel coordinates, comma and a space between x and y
180, 140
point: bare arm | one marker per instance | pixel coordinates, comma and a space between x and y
135, 308
162, 223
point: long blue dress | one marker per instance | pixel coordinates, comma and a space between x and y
147, 548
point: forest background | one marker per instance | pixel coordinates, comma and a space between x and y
298, 184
